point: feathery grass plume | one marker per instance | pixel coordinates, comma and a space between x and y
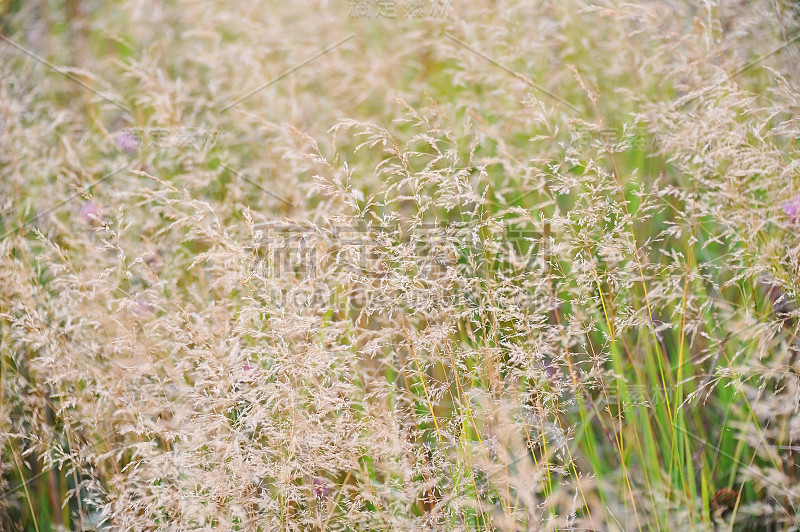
456, 266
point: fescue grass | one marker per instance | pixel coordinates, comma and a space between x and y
513, 266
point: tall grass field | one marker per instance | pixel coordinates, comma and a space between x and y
497, 265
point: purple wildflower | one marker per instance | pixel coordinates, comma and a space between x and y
792, 209
320, 488
550, 369
90, 212
143, 306
127, 141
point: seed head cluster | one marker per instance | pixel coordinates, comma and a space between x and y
521, 265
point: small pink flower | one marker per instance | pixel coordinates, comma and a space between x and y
127, 140
320, 488
90, 212
143, 306
792, 209
551, 370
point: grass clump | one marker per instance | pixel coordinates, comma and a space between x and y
504, 266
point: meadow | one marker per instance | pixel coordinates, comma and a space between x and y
399, 265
